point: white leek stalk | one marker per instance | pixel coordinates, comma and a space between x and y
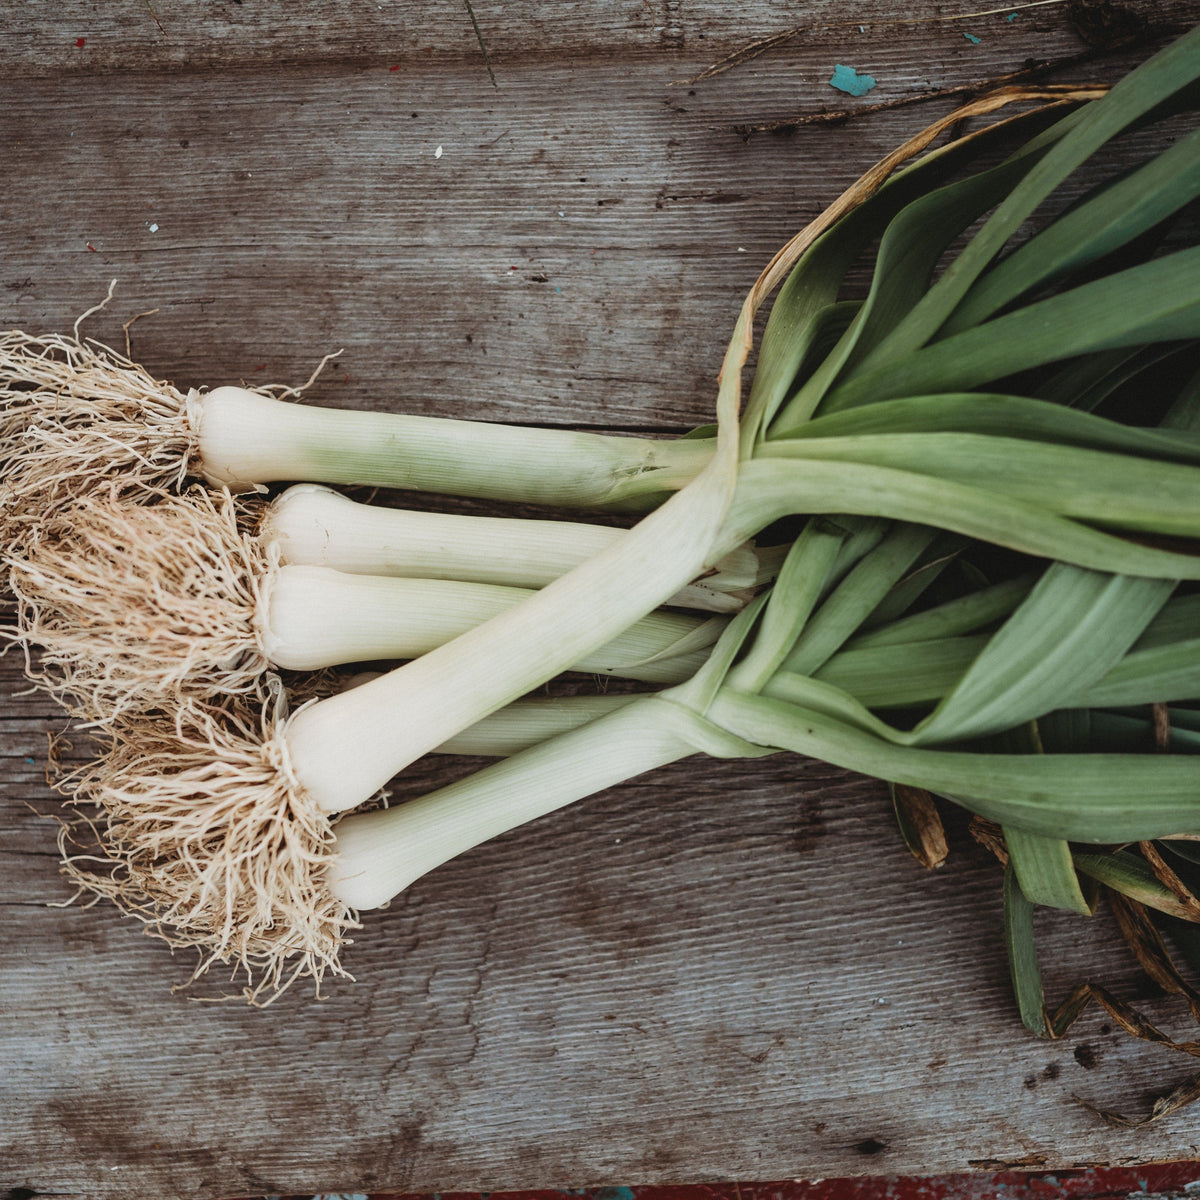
527, 722
315, 617
520, 725
315, 526
244, 438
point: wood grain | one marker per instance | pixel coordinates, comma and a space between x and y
720, 971
169, 34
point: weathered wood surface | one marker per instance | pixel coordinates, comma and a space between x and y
722, 971
690, 33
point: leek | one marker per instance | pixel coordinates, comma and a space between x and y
312, 525
75, 415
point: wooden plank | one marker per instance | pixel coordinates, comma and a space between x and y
722, 971
718, 972
166, 34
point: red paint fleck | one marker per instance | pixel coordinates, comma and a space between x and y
395, 68
347, 379
92, 248
261, 367
80, 43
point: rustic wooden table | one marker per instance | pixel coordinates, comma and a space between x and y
721, 971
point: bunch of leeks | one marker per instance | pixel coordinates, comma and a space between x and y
978, 410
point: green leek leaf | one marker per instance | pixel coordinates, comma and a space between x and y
1022, 957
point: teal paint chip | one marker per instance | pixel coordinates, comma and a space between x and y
972, 39
847, 79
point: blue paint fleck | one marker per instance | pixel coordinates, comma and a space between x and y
29, 761
847, 79
972, 39
613, 1193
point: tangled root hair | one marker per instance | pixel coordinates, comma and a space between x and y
137, 605
73, 413
206, 837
